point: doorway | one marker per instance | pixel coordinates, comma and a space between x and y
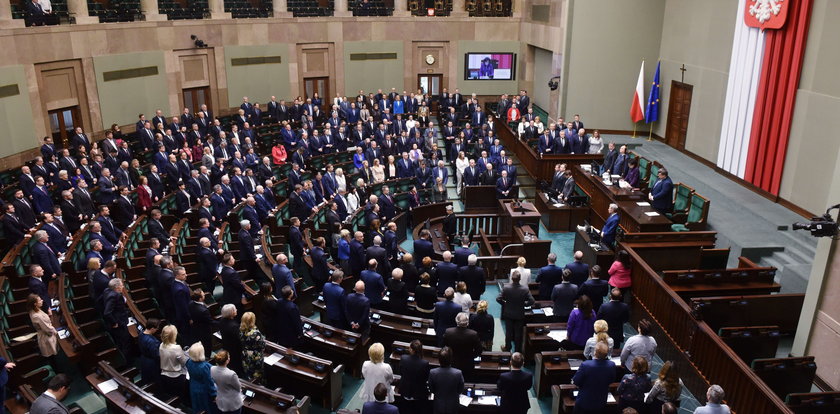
429, 83
319, 85
63, 122
679, 108
195, 97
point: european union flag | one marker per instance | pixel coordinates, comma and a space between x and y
652, 110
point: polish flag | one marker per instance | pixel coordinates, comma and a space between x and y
636, 112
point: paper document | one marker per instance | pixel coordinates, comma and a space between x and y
586, 167
487, 400
24, 338
643, 204
548, 311
651, 213
610, 398
63, 333
272, 359
616, 360
464, 400
574, 364
218, 335
430, 331
559, 205
558, 335
108, 386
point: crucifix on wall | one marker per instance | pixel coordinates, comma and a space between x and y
682, 73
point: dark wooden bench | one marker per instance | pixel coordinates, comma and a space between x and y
778, 309
814, 402
786, 375
747, 279
752, 342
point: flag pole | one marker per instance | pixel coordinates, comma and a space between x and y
650, 134
634, 130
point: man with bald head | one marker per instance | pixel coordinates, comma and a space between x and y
358, 310
282, 275
208, 264
445, 313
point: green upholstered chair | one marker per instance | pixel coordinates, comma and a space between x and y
695, 219
682, 194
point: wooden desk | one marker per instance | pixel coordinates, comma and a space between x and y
342, 346
302, 378
487, 370
514, 216
129, 398
561, 219
603, 258
635, 219
563, 399
486, 406
480, 198
269, 401
556, 367
534, 342
395, 327
602, 195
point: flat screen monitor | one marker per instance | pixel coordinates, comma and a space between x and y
490, 66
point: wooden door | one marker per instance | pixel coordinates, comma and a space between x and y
319, 85
430, 83
63, 122
679, 108
195, 97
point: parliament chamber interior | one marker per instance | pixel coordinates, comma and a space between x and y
415, 206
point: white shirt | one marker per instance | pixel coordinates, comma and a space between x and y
525, 275
463, 299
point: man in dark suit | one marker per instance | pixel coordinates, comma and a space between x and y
446, 383
564, 295
124, 209
246, 250
616, 313
335, 301
503, 186
234, 289
610, 226
445, 313
423, 247
474, 276
57, 239
463, 252
568, 186
595, 288
414, 382
380, 254
320, 268
387, 209
202, 324
83, 201
662, 194
296, 244
358, 310
13, 228
165, 279
579, 269
514, 298
380, 406
282, 275
181, 300
609, 157
593, 380
374, 283
39, 287
464, 343
45, 256
24, 210
115, 314
289, 325
450, 224
513, 387
98, 284
549, 276
207, 264
447, 273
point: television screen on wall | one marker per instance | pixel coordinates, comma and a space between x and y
489, 66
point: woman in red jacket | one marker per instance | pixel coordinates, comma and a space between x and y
278, 154
144, 195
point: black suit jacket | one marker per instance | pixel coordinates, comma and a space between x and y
616, 314
414, 382
446, 384
233, 288
514, 298
229, 329
465, 345
514, 386
475, 279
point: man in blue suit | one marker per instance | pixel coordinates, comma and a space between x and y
45, 256
545, 144
289, 325
549, 276
380, 406
335, 301
610, 227
181, 299
358, 310
374, 284
320, 269
38, 286
423, 247
387, 210
447, 273
58, 242
249, 212
440, 172
246, 250
296, 244
445, 312
662, 194
41, 201
503, 186
282, 275
579, 269
514, 386
593, 380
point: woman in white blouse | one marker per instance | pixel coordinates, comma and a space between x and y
391, 168
340, 179
461, 164
462, 298
378, 171
173, 359
539, 124
596, 144
524, 272
410, 123
353, 199
376, 371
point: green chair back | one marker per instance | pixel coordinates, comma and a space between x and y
683, 194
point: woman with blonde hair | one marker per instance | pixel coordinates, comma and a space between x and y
524, 272
344, 250
202, 387
482, 322
253, 344
462, 298
47, 335
376, 371
173, 372
601, 335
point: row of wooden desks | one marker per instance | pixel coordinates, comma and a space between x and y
476, 398
487, 368
302, 374
387, 327
562, 218
558, 367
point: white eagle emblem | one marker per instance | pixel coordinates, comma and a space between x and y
763, 10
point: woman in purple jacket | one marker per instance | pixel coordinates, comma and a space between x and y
580, 326
632, 176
